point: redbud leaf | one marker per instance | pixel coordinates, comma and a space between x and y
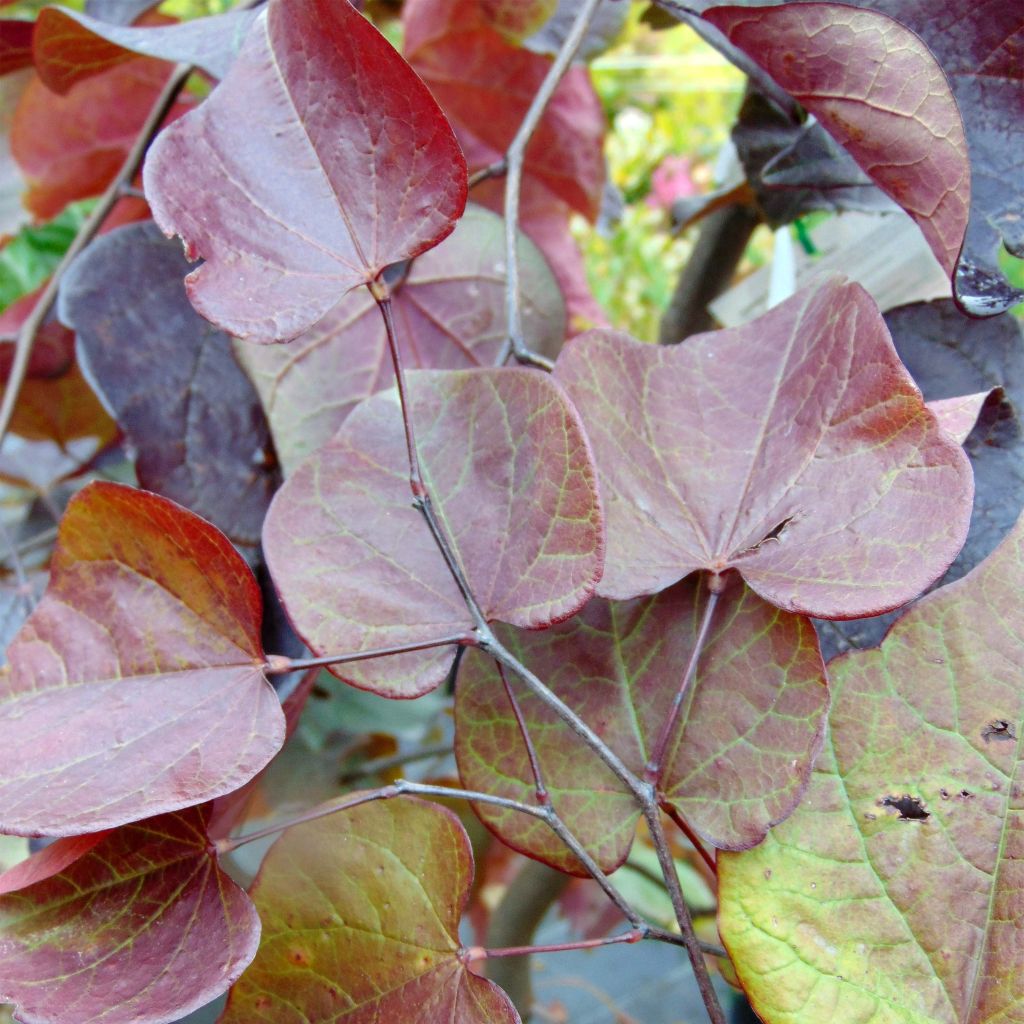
135, 926
450, 310
486, 85
15, 45
892, 892
360, 916
511, 477
53, 351
795, 449
136, 686
958, 415
118, 12
751, 725
71, 147
171, 379
876, 88
375, 175
70, 47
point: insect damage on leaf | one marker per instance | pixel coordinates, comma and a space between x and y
910, 808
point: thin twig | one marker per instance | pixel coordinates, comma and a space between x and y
682, 912
477, 953
30, 328
514, 156
495, 170
280, 664
540, 790
684, 826
656, 762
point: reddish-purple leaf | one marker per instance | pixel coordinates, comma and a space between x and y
894, 891
171, 380
957, 416
878, 90
70, 47
511, 477
53, 351
360, 916
375, 175
139, 927
485, 85
795, 449
136, 686
738, 764
15, 45
450, 311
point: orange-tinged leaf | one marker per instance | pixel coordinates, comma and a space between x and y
877, 89
510, 474
360, 916
893, 893
750, 727
795, 449
136, 686
375, 175
137, 926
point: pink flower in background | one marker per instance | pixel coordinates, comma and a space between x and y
671, 180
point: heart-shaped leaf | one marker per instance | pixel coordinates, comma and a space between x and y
360, 916
375, 174
739, 762
171, 379
70, 47
795, 449
450, 311
135, 926
71, 147
136, 686
511, 477
893, 892
876, 87
486, 85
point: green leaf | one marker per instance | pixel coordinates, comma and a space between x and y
893, 895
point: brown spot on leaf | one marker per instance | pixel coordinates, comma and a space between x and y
998, 729
944, 793
299, 956
909, 807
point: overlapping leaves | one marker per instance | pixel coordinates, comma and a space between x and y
136, 686
450, 312
380, 178
360, 922
892, 892
511, 477
795, 449
135, 925
738, 763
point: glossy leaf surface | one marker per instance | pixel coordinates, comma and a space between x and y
70, 47
136, 686
794, 448
360, 918
878, 90
511, 477
375, 175
118, 12
892, 893
485, 86
171, 379
450, 314
71, 147
138, 926
739, 763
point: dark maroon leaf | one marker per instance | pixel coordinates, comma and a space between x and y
53, 351
70, 47
136, 686
136, 926
375, 175
171, 379
361, 924
878, 90
511, 476
795, 449
795, 168
739, 763
450, 311
15, 45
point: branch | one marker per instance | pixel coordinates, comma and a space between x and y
476, 953
280, 664
514, 157
30, 328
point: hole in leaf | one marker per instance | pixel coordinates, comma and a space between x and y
999, 729
910, 808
